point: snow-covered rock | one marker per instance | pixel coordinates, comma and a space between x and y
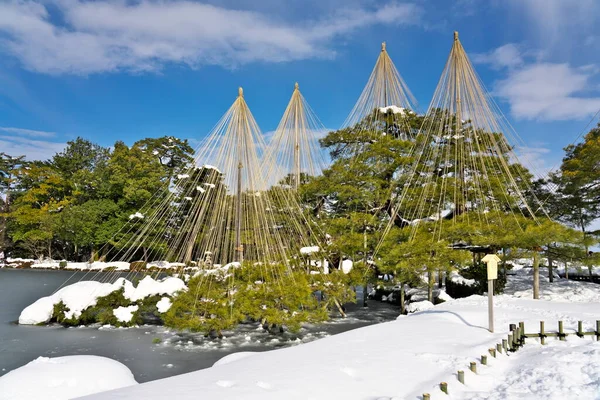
77, 297
457, 278
64, 378
81, 295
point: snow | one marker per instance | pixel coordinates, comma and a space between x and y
64, 378
136, 215
164, 305
234, 357
457, 278
347, 266
182, 176
419, 306
81, 295
393, 109
309, 250
200, 189
150, 287
561, 290
77, 297
124, 314
211, 167
410, 356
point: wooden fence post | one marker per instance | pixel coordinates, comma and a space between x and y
510, 342
505, 345
580, 329
598, 331
523, 336
483, 360
561, 332
492, 352
542, 333
473, 366
499, 347
426, 396
461, 377
444, 387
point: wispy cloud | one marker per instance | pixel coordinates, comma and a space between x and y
145, 35
537, 158
27, 132
550, 92
21, 143
501, 57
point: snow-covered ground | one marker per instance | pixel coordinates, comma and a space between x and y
410, 356
405, 358
64, 378
84, 266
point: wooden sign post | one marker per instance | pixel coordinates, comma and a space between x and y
492, 273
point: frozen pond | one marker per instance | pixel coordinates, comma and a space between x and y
175, 354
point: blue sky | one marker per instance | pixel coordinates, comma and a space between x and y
124, 70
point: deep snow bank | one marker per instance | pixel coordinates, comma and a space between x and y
64, 378
81, 295
402, 358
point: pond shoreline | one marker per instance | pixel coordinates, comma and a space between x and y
150, 351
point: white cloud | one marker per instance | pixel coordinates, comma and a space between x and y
32, 149
27, 132
538, 159
549, 91
147, 34
501, 57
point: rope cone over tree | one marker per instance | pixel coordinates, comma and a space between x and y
466, 188
294, 149
256, 253
384, 103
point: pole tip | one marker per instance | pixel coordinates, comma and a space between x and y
240, 92
382, 46
455, 35
296, 86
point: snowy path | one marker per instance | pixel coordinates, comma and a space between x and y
401, 359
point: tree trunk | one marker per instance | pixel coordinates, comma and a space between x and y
430, 283
402, 302
536, 275
550, 269
440, 279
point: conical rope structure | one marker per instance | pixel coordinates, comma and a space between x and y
222, 210
463, 164
294, 150
386, 98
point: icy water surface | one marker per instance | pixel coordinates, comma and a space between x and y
176, 354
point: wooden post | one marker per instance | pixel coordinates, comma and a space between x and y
426, 396
473, 367
598, 331
561, 333
499, 348
523, 335
461, 377
510, 341
516, 335
505, 345
580, 329
491, 305
444, 387
492, 352
542, 333
483, 360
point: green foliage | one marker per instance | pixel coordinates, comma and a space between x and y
280, 297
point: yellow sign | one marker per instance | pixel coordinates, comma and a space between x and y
492, 265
